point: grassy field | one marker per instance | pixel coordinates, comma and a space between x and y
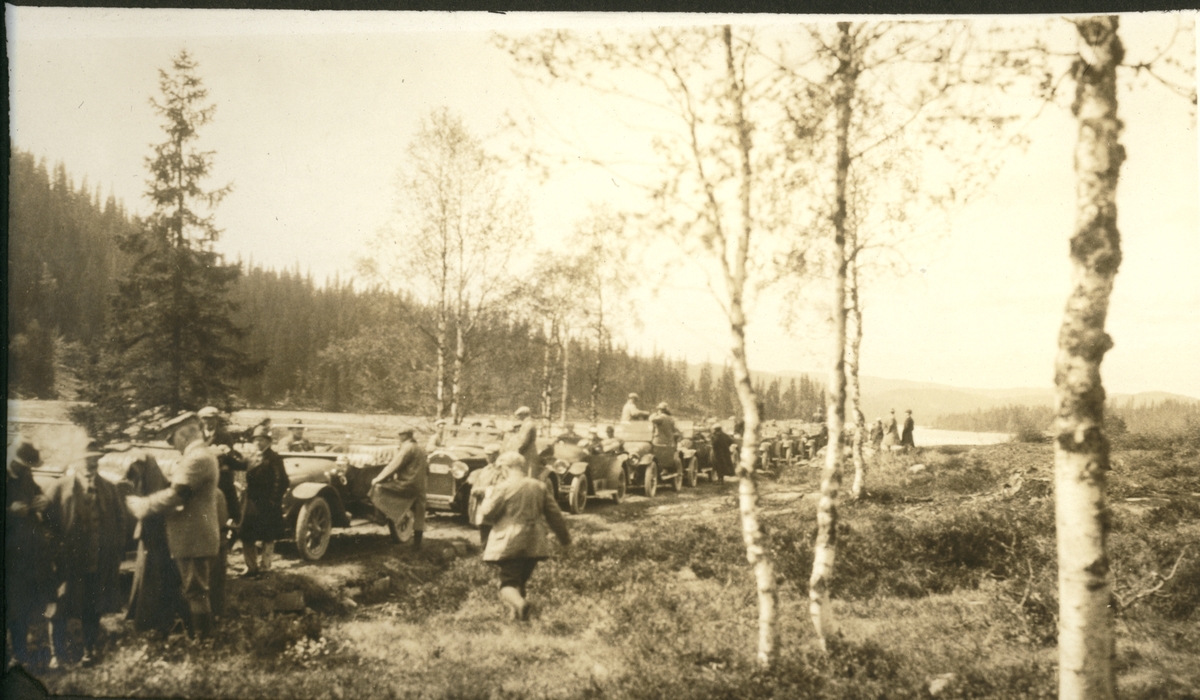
944, 576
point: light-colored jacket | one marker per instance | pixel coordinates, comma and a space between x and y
630, 411
193, 527
525, 442
664, 430
522, 513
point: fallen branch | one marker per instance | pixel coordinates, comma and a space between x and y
1162, 581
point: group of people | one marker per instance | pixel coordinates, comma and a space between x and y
64, 546
890, 435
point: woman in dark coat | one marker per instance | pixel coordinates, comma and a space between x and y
155, 600
266, 484
722, 456
28, 574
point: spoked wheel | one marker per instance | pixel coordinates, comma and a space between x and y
677, 481
689, 473
579, 494
650, 480
314, 528
622, 485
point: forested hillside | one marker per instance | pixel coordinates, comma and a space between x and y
335, 346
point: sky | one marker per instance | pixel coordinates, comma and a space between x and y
315, 111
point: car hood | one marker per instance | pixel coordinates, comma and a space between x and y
458, 452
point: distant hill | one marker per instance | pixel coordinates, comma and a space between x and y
929, 400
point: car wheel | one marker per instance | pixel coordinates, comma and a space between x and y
579, 495
650, 480
621, 486
689, 473
314, 528
402, 532
677, 481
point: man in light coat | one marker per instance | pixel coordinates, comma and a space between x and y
522, 513
190, 510
524, 441
630, 410
664, 438
402, 485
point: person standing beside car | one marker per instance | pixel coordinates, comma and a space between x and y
190, 509
522, 513
664, 438
722, 448
229, 460
524, 441
28, 574
266, 485
630, 410
402, 483
481, 480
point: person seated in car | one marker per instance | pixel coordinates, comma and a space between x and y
295, 442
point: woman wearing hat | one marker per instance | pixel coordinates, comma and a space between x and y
266, 484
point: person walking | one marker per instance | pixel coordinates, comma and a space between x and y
266, 484
481, 480
401, 486
190, 510
28, 575
722, 447
891, 432
877, 434
906, 438
87, 521
522, 513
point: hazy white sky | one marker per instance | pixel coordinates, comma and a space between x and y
315, 111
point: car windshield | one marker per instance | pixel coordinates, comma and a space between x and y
475, 437
305, 464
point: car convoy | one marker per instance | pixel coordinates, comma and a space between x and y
329, 488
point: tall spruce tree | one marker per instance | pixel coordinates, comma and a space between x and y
171, 340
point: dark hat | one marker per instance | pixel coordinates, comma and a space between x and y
297, 423
405, 431
27, 454
94, 449
167, 430
262, 431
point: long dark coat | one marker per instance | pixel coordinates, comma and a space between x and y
72, 542
266, 484
408, 482
28, 569
722, 457
155, 599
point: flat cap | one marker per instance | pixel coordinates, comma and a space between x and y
209, 412
522, 411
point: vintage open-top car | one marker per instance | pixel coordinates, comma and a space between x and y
577, 470
695, 453
642, 467
463, 451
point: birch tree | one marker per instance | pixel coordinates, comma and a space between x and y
720, 188
460, 220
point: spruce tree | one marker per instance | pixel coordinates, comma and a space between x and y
171, 340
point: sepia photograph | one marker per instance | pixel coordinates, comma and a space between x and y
381, 354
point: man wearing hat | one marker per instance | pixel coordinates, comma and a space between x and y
631, 411
524, 441
906, 437
295, 441
722, 449
663, 439
87, 520
220, 441
438, 438
401, 485
27, 572
266, 485
191, 514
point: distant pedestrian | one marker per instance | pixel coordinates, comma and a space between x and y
88, 523
722, 447
401, 486
295, 441
906, 438
266, 485
877, 433
28, 573
522, 513
191, 513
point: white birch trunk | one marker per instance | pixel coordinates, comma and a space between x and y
853, 354
456, 381
1086, 644
566, 366
825, 548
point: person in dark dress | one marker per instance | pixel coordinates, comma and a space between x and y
27, 572
155, 600
266, 484
218, 438
87, 519
906, 437
722, 446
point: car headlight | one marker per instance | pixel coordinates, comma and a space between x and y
459, 469
560, 467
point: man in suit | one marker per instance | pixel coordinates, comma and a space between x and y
906, 437
229, 460
88, 521
295, 442
28, 573
190, 509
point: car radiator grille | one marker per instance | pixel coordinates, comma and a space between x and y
440, 485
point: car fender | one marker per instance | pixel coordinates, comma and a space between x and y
578, 468
305, 491
686, 453
645, 459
